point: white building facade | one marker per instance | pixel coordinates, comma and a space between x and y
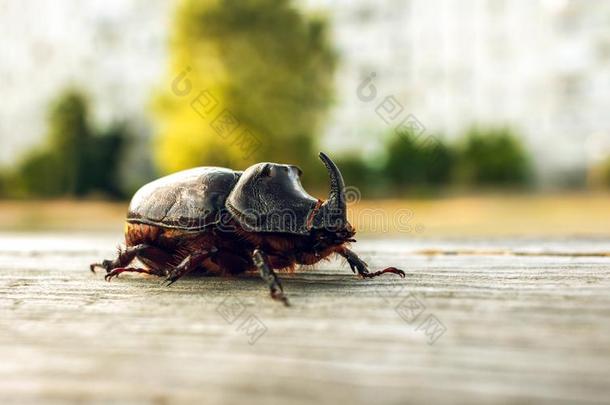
539, 66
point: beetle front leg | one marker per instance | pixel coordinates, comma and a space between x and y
189, 263
118, 270
359, 265
123, 259
268, 275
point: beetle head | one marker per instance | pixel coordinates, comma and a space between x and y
332, 215
269, 197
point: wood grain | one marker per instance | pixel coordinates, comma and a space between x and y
528, 328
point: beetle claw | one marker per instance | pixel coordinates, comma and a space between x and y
169, 281
279, 296
394, 270
114, 273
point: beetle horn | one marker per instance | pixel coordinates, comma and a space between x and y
334, 209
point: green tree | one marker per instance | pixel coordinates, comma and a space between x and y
41, 174
358, 173
264, 64
75, 160
493, 157
104, 155
69, 136
415, 161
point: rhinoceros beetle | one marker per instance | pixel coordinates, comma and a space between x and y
229, 222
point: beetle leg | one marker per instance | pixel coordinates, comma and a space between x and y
360, 265
268, 275
187, 265
124, 258
116, 271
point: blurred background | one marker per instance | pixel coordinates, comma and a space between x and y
478, 116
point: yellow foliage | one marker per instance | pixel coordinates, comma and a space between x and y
247, 81
184, 137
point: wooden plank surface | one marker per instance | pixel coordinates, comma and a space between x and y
471, 323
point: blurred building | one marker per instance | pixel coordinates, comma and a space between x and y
114, 50
540, 66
